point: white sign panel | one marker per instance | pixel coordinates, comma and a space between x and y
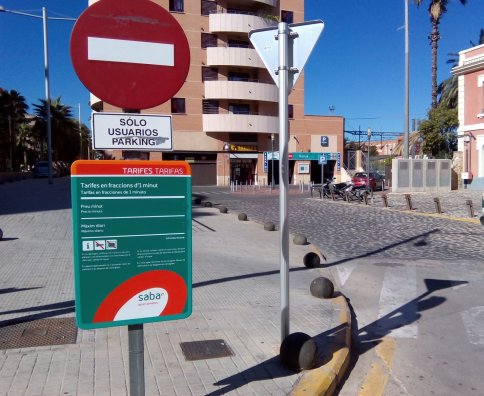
304, 37
123, 131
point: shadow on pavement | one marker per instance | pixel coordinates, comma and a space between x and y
420, 241
272, 368
56, 309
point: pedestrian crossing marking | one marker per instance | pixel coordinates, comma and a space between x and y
474, 323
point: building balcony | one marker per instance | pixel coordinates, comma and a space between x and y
250, 123
241, 90
234, 56
238, 23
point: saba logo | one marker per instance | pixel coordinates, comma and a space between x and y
150, 296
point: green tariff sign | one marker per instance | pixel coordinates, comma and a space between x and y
132, 242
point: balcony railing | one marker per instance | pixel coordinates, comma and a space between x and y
233, 56
250, 123
243, 90
238, 22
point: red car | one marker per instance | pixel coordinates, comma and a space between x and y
377, 181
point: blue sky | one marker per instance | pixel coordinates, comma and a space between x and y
357, 65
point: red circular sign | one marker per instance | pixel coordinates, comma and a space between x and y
131, 54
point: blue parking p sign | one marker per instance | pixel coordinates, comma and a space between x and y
324, 141
322, 160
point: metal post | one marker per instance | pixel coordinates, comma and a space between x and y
136, 360
322, 174
406, 98
47, 94
283, 37
370, 191
272, 161
80, 130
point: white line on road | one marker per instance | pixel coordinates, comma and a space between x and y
398, 290
128, 51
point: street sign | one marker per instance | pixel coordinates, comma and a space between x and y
131, 54
122, 131
324, 141
132, 241
322, 160
304, 37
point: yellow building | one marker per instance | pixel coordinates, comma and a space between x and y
225, 117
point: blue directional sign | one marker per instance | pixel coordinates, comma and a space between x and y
322, 160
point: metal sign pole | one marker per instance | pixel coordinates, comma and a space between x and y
136, 360
283, 37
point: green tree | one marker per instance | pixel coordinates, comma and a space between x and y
64, 130
437, 8
13, 110
439, 132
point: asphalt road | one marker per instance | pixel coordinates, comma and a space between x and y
415, 283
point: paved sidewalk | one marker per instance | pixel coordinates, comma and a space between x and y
235, 299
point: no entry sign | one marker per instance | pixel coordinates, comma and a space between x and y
132, 53
132, 241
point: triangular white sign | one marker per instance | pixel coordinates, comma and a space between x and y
300, 47
307, 36
266, 45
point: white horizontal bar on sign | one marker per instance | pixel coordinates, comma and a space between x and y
127, 51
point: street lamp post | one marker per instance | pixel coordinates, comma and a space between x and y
226, 148
46, 73
368, 132
272, 161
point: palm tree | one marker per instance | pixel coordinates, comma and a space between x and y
448, 89
12, 114
437, 8
64, 129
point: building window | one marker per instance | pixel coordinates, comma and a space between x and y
209, 40
176, 5
237, 76
178, 106
209, 73
287, 16
210, 106
236, 108
208, 7
238, 44
290, 111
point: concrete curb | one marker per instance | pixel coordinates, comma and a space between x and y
323, 381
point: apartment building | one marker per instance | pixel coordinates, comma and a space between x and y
470, 72
225, 117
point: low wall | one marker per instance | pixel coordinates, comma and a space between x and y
421, 175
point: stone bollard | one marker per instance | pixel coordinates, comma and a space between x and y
298, 351
408, 198
322, 288
223, 209
385, 200
470, 208
300, 240
242, 217
208, 204
311, 260
269, 226
438, 207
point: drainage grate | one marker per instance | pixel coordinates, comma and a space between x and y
209, 349
43, 332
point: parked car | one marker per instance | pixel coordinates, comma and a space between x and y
41, 169
377, 181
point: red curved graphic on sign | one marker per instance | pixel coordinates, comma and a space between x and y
173, 283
